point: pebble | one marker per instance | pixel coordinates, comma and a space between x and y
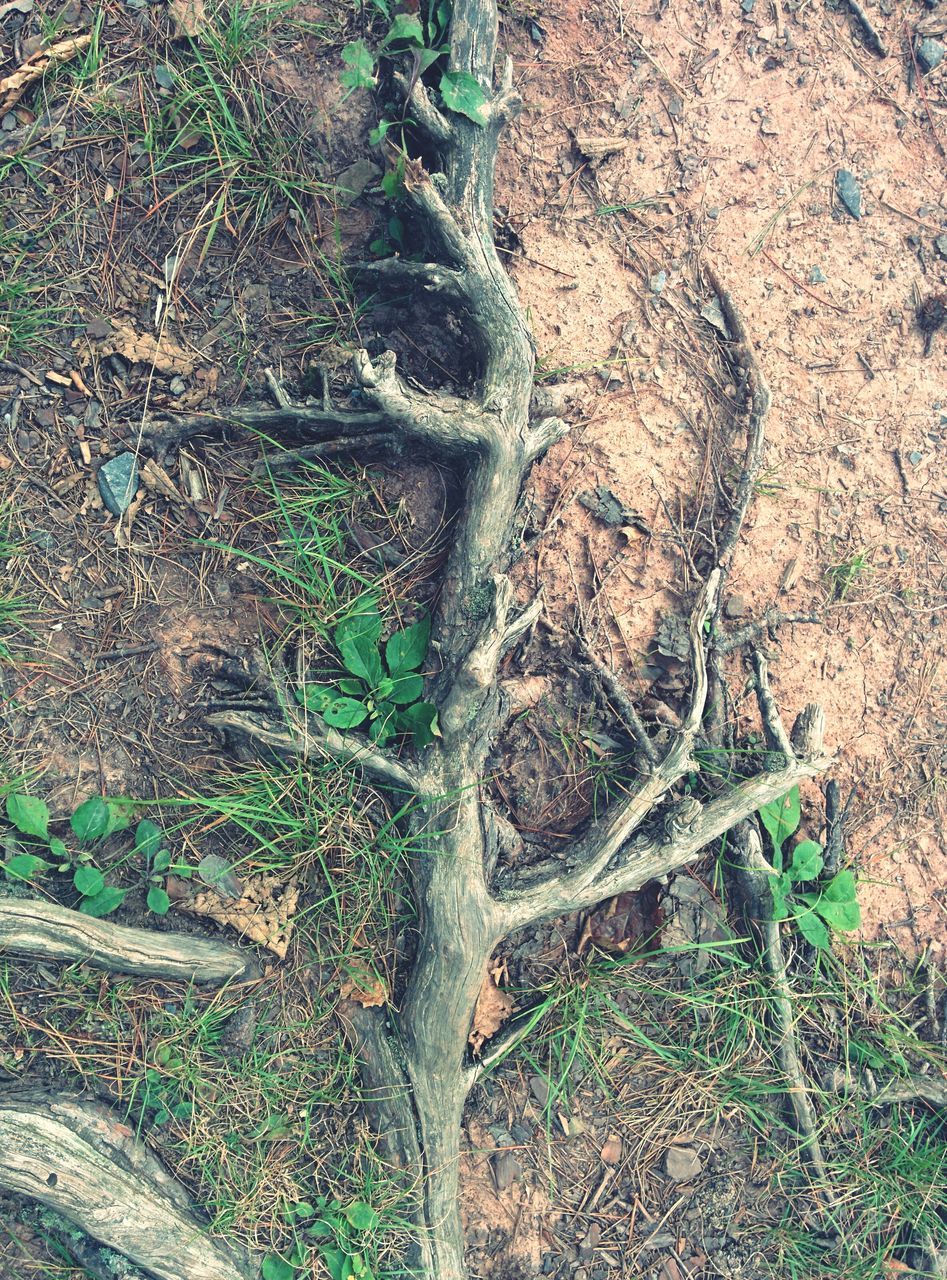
539, 1088
506, 1169
849, 192
682, 1164
940, 244
118, 482
930, 54
817, 275
657, 282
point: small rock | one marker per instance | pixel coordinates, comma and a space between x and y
915, 457
849, 192
735, 607
682, 1164
539, 1088
9, 122
940, 244
817, 275
657, 282
930, 54
747, 5
177, 386
712, 313
506, 1169
118, 482
352, 181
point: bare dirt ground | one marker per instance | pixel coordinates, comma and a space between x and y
651, 143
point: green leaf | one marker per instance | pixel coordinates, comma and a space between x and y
426, 58
303, 1209
29, 815
406, 28
405, 650
88, 881
420, 721
361, 63
813, 930
406, 689
345, 713
356, 688
463, 94
841, 888
357, 640
121, 813
315, 697
362, 1216
385, 687
384, 723
148, 837
807, 861
337, 1263
843, 916
91, 820
161, 862
103, 903
58, 849
781, 817
24, 866
780, 887
276, 1268
393, 181
158, 901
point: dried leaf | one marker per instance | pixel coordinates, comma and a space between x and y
187, 16
146, 348
13, 86
264, 913
364, 987
493, 1010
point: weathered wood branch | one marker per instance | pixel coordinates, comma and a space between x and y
74, 1156
46, 931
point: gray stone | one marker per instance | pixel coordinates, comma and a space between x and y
352, 181
930, 54
817, 275
682, 1164
506, 1169
940, 244
849, 192
118, 482
657, 282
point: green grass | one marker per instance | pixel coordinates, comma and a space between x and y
846, 574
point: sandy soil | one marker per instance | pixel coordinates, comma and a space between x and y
727, 131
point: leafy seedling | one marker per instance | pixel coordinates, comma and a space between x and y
384, 685
338, 1232
829, 905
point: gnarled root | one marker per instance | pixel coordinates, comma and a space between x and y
74, 1156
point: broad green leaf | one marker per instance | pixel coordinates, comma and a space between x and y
405, 650
841, 888
357, 640
420, 720
148, 837
316, 697
24, 866
103, 903
121, 813
843, 916
426, 58
463, 94
303, 1209
377, 135
393, 181
406, 689
337, 1263
29, 814
354, 688
813, 930
158, 900
807, 861
161, 861
384, 689
58, 849
405, 28
384, 723
361, 63
781, 817
91, 820
276, 1268
362, 1216
345, 713
88, 881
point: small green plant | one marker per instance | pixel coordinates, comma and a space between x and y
832, 904
844, 575
338, 1232
383, 687
91, 823
422, 39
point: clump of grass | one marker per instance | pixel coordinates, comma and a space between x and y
844, 575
